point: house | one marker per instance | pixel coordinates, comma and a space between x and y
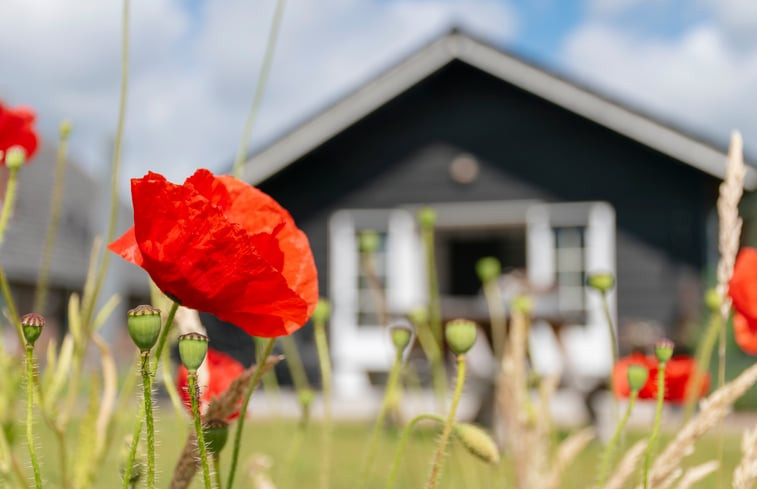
518, 163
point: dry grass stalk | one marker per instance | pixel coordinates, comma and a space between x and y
566, 453
728, 213
220, 407
627, 465
713, 409
696, 474
745, 473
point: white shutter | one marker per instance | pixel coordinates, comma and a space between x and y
540, 247
406, 287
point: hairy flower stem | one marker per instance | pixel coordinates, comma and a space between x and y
324, 361
147, 401
609, 452
404, 438
613, 348
243, 411
217, 469
193, 396
704, 354
11, 304
9, 200
391, 385
138, 427
259, 89
497, 318
56, 201
434, 301
439, 456
29, 416
656, 426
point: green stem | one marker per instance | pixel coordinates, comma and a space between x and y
656, 426
439, 456
10, 198
372, 443
609, 451
721, 383
259, 89
704, 355
217, 469
404, 438
56, 206
132, 453
116, 164
138, 427
324, 362
243, 411
613, 349
11, 304
147, 389
29, 415
497, 318
193, 395
434, 302
434, 355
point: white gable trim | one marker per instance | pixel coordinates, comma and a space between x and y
457, 46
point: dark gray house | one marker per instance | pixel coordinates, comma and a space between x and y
521, 164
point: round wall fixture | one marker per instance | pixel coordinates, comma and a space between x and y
464, 169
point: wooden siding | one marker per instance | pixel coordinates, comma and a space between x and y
528, 148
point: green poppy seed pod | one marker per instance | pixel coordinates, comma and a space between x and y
427, 217
401, 334
460, 335
216, 432
31, 325
601, 282
418, 316
65, 129
15, 157
368, 242
322, 311
488, 269
712, 300
663, 349
522, 304
637, 376
192, 350
477, 441
144, 326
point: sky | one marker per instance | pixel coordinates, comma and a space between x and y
194, 64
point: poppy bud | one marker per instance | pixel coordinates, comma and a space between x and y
637, 376
322, 311
15, 157
192, 350
477, 441
401, 334
216, 433
144, 326
368, 241
522, 304
601, 282
65, 129
488, 269
460, 335
663, 349
427, 217
31, 325
712, 299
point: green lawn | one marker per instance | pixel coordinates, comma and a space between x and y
296, 457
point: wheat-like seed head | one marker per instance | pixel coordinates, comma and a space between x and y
627, 465
745, 473
695, 474
566, 453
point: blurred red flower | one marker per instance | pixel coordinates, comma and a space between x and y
218, 245
743, 292
222, 370
16, 130
679, 372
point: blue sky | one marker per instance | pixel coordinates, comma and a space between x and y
194, 63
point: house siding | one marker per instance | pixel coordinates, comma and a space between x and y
528, 148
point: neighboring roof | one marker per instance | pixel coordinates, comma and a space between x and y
459, 46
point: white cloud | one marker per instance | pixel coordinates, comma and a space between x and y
192, 78
699, 80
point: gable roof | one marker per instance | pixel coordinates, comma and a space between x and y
458, 46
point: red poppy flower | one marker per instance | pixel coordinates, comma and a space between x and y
218, 245
679, 373
743, 292
16, 130
222, 370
